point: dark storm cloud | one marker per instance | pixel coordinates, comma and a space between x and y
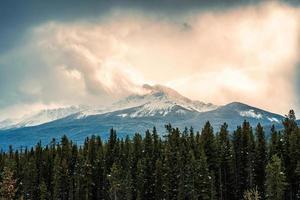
16, 16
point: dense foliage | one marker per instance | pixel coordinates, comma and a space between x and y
178, 165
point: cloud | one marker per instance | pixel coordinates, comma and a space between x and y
247, 54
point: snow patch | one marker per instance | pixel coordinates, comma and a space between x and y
251, 113
122, 115
273, 119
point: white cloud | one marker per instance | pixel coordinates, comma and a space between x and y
244, 54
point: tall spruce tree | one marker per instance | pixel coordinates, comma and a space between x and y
289, 146
247, 157
260, 161
8, 187
209, 143
275, 179
237, 162
158, 185
274, 146
203, 182
225, 170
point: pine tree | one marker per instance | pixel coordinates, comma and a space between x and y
61, 179
260, 161
247, 157
208, 141
43, 191
115, 182
99, 173
203, 179
225, 168
30, 179
136, 157
8, 187
289, 147
275, 179
139, 181
171, 165
111, 150
237, 162
274, 143
209, 145
148, 167
158, 185
252, 194
297, 172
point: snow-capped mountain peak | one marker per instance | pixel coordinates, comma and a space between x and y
160, 100
156, 100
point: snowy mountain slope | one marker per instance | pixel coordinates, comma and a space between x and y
235, 113
7, 123
160, 98
156, 100
79, 128
43, 116
158, 106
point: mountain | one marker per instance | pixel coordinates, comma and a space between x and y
43, 116
160, 100
156, 106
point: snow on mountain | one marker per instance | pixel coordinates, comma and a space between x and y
43, 116
156, 100
7, 123
137, 113
257, 115
160, 100
250, 113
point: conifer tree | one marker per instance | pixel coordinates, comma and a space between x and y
275, 179
252, 194
158, 185
203, 179
148, 167
247, 157
115, 182
225, 169
260, 161
29, 181
44, 195
297, 173
237, 162
274, 143
209, 145
8, 186
136, 157
289, 147
208, 141
139, 181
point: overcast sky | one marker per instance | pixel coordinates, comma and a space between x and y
64, 53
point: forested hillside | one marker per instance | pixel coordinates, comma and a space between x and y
187, 164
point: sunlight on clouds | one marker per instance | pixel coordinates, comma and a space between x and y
246, 54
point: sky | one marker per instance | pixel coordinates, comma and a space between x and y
62, 53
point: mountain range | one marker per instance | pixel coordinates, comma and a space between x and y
157, 106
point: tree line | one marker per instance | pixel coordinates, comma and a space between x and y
186, 164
